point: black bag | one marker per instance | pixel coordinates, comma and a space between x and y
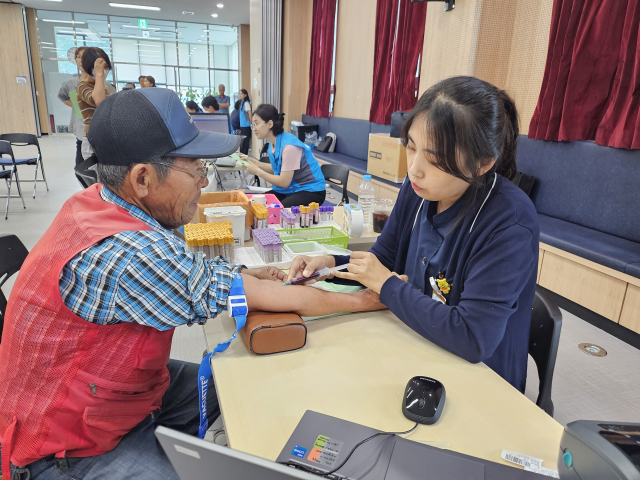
525, 182
325, 144
397, 121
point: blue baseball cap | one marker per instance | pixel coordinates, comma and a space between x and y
134, 126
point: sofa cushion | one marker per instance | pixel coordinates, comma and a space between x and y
613, 252
323, 124
585, 184
379, 128
353, 136
354, 164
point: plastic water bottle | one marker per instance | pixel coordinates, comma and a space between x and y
366, 195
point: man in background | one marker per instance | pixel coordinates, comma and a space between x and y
142, 80
210, 104
223, 100
76, 125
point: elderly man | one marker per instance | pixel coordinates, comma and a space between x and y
223, 100
85, 375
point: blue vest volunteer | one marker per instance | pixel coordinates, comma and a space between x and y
244, 121
308, 178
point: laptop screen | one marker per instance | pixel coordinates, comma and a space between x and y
212, 122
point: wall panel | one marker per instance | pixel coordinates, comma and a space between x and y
354, 58
296, 58
255, 87
245, 56
38, 76
17, 113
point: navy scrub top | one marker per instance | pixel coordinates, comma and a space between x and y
432, 242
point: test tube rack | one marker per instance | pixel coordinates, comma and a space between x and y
211, 239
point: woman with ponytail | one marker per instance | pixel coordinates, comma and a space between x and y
457, 259
292, 169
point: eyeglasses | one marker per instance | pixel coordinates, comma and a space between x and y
202, 172
255, 125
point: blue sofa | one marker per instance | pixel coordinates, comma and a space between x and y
352, 148
588, 199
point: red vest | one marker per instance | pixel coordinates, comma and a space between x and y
68, 386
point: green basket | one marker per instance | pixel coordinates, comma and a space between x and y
324, 235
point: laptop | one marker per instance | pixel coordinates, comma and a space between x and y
212, 122
193, 458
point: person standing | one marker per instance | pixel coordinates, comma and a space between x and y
223, 101
151, 82
76, 125
235, 118
92, 89
142, 80
245, 120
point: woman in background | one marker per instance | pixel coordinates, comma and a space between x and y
245, 120
150, 81
235, 118
192, 107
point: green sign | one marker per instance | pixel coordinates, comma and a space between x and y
142, 23
145, 33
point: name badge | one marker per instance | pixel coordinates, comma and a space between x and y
438, 297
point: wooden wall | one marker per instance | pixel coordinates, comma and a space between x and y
500, 41
38, 76
245, 56
17, 114
354, 58
255, 88
296, 58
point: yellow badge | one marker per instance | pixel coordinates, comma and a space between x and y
443, 285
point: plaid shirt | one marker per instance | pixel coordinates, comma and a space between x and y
145, 277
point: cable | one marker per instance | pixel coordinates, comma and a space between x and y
310, 470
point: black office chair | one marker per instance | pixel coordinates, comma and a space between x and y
337, 175
7, 174
11, 260
23, 140
544, 337
84, 174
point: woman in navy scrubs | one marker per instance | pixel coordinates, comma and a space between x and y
457, 259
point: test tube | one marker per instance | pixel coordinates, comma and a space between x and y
316, 213
330, 214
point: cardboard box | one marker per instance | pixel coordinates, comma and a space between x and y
223, 199
387, 157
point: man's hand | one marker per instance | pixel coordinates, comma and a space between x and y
304, 266
366, 268
98, 67
266, 273
370, 300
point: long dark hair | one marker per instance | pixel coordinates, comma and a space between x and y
469, 119
89, 57
246, 99
151, 80
268, 112
193, 106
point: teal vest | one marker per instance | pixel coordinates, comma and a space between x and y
308, 179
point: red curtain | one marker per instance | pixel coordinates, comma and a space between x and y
399, 39
591, 80
322, 33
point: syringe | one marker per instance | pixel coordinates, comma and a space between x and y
323, 272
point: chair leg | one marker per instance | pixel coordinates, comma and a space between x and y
43, 175
15, 172
35, 181
6, 211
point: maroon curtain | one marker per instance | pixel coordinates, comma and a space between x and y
322, 33
399, 39
591, 74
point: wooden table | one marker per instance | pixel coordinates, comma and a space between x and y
356, 367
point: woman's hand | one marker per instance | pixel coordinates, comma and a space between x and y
364, 267
266, 273
253, 169
98, 67
304, 266
244, 157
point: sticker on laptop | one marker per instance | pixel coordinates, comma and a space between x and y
325, 451
298, 451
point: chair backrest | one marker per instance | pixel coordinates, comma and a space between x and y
85, 175
544, 338
5, 149
11, 259
20, 138
338, 175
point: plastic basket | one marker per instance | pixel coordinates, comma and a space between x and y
322, 235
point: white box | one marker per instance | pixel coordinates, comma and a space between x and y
233, 214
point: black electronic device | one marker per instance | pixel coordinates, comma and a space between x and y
423, 400
591, 450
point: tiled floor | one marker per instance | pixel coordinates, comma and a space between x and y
584, 387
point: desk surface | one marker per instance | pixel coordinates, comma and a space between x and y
356, 367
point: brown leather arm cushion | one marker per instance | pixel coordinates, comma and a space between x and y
266, 333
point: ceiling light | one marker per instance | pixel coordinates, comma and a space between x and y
146, 38
214, 15
184, 13
135, 7
220, 5
199, 40
52, 0
61, 21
